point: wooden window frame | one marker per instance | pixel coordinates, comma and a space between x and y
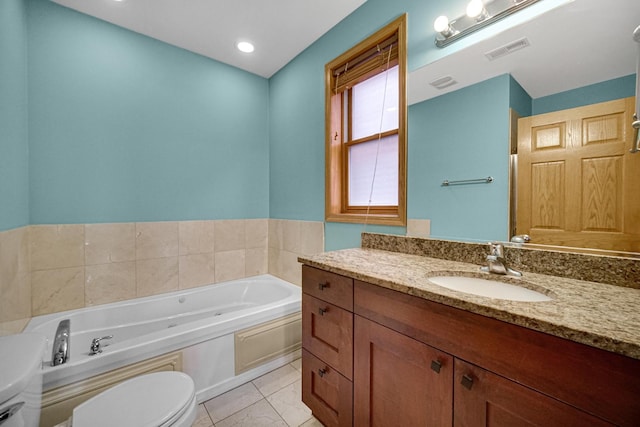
336, 168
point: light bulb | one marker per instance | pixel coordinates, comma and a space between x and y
245, 47
441, 24
475, 8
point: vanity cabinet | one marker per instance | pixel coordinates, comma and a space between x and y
327, 346
378, 357
501, 374
399, 381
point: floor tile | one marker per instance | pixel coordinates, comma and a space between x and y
226, 404
275, 380
288, 403
297, 364
313, 422
202, 418
258, 414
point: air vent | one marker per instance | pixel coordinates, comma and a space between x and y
507, 49
443, 82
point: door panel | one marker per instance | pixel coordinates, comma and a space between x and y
577, 182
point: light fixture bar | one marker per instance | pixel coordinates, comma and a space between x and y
465, 25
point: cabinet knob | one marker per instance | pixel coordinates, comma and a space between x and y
322, 286
322, 311
321, 372
436, 365
467, 382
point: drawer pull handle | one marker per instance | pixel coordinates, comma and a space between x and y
467, 382
322, 311
321, 372
322, 286
436, 365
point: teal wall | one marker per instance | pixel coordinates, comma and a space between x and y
126, 128
14, 149
461, 135
105, 125
622, 87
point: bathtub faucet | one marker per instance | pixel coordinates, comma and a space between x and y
95, 345
61, 343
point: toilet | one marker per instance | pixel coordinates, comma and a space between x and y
21, 379
160, 399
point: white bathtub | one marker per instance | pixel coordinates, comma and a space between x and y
199, 321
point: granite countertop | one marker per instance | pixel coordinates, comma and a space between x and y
596, 314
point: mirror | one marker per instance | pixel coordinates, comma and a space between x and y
577, 44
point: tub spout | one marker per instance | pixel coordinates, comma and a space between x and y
61, 343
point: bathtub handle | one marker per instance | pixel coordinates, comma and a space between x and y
322, 286
95, 345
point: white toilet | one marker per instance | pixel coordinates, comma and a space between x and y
21, 379
160, 399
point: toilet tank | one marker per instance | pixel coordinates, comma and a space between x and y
21, 379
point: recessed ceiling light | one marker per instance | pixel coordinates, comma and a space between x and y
245, 47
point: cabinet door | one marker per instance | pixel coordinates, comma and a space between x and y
399, 381
327, 393
327, 332
486, 399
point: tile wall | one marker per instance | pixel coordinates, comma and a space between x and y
51, 268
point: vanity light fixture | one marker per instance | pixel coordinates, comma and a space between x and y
480, 13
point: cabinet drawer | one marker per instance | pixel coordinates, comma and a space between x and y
330, 287
327, 393
327, 332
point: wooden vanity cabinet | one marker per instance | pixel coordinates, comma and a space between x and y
501, 375
399, 381
327, 346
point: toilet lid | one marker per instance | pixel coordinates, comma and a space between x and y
150, 400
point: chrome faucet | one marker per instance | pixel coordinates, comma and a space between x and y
61, 343
496, 263
95, 345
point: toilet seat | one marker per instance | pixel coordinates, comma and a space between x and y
159, 399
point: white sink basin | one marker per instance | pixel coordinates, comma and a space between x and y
488, 288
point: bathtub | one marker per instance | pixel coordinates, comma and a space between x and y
200, 322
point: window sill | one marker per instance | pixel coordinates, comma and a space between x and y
377, 219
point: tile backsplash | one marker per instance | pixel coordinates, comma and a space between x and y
51, 268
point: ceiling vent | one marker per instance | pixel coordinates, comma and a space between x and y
507, 49
443, 82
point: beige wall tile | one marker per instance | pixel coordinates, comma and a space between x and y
196, 237
15, 275
197, 270
56, 246
57, 290
229, 235
291, 268
156, 240
418, 227
13, 327
256, 233
157, 276
276, 233
275, 262
291, 234
311, 237
230, 265
15, 296
111, 282
256, 261
105, 243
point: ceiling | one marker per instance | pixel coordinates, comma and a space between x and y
577, 44
279, 29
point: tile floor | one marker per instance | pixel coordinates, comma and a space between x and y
273, 399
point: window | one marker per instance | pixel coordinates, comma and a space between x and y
366, 130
